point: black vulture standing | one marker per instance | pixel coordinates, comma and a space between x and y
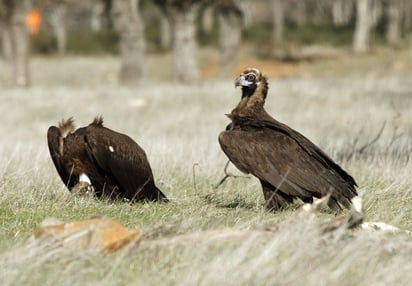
110, 163
287, 164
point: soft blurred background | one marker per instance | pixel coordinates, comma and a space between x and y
190, 41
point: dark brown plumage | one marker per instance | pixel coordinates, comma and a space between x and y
110, 163
287, 164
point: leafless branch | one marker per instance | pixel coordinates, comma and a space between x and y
395, 135
373, 141
362, 149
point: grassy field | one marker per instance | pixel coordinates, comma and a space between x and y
211, 235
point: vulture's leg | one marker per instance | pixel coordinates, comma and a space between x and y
274, 199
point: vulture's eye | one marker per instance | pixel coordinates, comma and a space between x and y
250, 77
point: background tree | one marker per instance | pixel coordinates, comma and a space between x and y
230, 18
342, 12
58, 20
278, 28
299, 10
97, 13
361, 38
128, 24
165, 32
207, 18
368, 15
16, 38
182, 15
394, 21
6, 48
407, 15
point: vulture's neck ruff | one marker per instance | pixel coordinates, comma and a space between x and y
247, 91
253, 98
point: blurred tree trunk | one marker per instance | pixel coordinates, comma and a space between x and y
342, 11
393, 28
6, 40
58, 21
245, 7
300, 12
407, 15
184, 44
230, 18
207, 19
361, 39
182, 15
376, 12
127, 21
106, 14
17, 38
96, 17
5, 36
165, 32
278, 22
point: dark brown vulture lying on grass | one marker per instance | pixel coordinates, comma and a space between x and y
105, 161
287, 164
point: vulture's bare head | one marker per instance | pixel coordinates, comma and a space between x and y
250, 79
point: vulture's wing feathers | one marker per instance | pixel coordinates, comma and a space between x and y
279, 159
310, 148
120, 158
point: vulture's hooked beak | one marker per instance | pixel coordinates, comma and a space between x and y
241, 81
238, 82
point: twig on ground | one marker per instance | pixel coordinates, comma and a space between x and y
227, 175
194, 176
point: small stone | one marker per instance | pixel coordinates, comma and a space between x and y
97, 234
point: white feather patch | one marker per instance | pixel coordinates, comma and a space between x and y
111, 149
84, 178
357, 203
